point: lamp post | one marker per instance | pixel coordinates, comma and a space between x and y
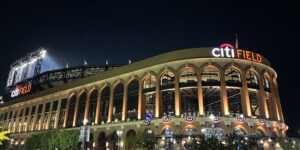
119, 133
85, 121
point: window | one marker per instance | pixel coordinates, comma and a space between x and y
188, 92
252, 80
71, 111
104, 105
132, 101
81, 109
118, 102
93, 106
232, 77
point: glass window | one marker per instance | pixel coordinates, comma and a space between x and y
71, 111
232, 77
210, 76
93, 106
252, 80
132, 101
104, 105
118, 102
167, 80
81, 109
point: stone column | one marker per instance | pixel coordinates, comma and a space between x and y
141, 111
98, 107
158, 98
278, 102
263, 110
200, 94
42, 115
58, 112
76, 110
67, 111
223, 96
273, 113
125, 98
87, 106
177, 95
245, 97
111, 103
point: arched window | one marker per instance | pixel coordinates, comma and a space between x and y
132, 101
252, 80
167, 80
187, 77
266, 84
149, 82
102, 141
232, 77
188, 92
258, 133
131, 133
168, 138
81, 109
149, 87
188, 137
168, 94
239, 132
267, 94
118, 102
93, 106
114, 140
104, 106
71, 111
210, 77
234, 101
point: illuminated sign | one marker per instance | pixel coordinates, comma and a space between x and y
20, 90
228, 51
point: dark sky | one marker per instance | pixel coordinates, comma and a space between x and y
72, 32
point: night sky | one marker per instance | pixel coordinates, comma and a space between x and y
117, 31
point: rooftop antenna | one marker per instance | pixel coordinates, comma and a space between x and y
236, 41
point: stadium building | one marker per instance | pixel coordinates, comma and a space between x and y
215, 91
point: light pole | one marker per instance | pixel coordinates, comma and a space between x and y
119, 133
85, 121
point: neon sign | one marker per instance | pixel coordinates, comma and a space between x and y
228, 51
20, 90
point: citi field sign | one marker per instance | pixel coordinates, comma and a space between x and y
228, 51
20, 90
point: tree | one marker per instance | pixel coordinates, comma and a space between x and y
199, 142
62, 140
289, 144
3, 135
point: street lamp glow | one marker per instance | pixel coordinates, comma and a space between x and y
85, 121
212, 117
119, 132
270, 140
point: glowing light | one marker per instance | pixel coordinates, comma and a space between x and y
212, 117
269, 139
43, 53
85, 121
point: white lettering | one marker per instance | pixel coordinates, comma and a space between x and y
223, 52
227, 51
15, 93
214, 52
